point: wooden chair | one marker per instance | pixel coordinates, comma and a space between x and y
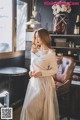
66, 66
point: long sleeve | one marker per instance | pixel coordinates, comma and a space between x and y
33, 56
46, 64
53, 67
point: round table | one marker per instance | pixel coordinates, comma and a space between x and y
14, 84
13, 71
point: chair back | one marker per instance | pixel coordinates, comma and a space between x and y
65, 68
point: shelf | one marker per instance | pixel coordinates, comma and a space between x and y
63, 35
77, 60
73, 82
59, 45
65, 48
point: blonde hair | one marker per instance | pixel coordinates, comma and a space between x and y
44, 35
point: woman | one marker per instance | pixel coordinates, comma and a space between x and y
40, 100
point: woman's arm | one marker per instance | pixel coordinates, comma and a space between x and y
51, 72
44, 73
53, 68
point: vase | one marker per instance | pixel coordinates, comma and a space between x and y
60, 23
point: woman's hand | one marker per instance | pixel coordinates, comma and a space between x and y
35, 74
30, 73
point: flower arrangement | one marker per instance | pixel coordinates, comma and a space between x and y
61, 7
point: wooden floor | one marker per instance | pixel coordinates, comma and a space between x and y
17, 112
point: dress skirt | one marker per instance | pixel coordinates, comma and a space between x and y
40, 100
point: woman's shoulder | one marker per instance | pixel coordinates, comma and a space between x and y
50, 54
52, 51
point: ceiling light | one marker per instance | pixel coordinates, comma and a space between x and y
32, 21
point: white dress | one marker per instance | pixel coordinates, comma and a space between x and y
40, 100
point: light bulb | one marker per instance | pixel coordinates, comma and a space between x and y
32, 25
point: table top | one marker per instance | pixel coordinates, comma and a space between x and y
12, 71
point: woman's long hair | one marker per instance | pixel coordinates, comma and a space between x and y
44, 35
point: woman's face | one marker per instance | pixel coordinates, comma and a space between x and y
38, 40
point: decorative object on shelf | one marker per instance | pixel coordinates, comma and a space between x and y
69, 53
34, 12
60, 11
76, 30
75, 56
73, 45
70, 44
32, 22
60, 55
77, 25
78, 21
61, 42
77, 46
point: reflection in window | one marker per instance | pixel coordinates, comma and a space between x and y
4, 47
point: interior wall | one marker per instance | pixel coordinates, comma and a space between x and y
45, 15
